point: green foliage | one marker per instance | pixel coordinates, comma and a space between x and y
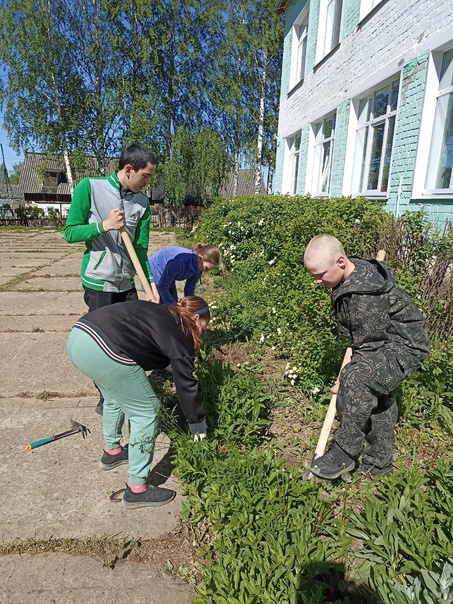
272, 300
267, 536
54, 217
13, 177
96, 76
28, 212
406, 528
197, 166
428, 394
427, 588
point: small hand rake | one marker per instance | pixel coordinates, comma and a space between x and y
75, 429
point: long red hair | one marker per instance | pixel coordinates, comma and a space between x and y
183, 313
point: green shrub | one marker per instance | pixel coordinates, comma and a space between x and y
271, 300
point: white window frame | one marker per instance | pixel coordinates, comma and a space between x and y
366, 6
366, 129
443, 112
323, 139
328, 17
419, 190
293, 159
299, 47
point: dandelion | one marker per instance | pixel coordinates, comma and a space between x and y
315, 391
274, 312
357, 221
261, 222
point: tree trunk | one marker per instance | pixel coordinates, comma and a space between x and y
270, 177
236, 174
68, 168
259, 148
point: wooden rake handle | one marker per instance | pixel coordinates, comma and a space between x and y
136, 262
332, 409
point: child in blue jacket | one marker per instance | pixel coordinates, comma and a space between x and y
171, 264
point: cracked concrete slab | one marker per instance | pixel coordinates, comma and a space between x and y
81, 579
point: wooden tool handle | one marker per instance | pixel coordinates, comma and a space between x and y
136, 262
330, 415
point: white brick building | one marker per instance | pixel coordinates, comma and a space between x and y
366, 102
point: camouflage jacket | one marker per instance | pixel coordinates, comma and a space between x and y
374, 313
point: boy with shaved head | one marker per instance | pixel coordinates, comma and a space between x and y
388, 337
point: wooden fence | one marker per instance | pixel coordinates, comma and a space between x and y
168, 216
160, 217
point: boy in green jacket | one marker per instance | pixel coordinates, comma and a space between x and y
100, 207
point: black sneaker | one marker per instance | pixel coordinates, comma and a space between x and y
100, 407
152, 497
108, 462
333, 464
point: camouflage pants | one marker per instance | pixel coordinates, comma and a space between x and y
367, 407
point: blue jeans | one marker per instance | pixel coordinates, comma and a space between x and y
126, 391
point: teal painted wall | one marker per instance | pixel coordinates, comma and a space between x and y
313, 22
286, 64
339, 148
302, 174
351, 14
291, 15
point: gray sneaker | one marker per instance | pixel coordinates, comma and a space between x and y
152, 497
108, 462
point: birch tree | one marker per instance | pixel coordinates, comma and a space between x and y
265, 32
40, 89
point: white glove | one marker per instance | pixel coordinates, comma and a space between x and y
199, 436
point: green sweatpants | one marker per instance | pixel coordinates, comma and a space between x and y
126, 391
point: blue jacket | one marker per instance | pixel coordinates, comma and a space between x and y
171, 264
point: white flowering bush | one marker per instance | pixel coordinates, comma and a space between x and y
269, 297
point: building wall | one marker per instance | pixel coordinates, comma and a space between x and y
339, 151
396, 39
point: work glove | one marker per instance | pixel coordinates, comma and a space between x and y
198, 430
199, 436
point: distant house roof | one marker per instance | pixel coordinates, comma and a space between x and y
246, 184
282, 6
43, 176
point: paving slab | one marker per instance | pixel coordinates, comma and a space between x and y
40, 322
50, 284
68, 267
58, 490
40, 364
17, 304
82, 579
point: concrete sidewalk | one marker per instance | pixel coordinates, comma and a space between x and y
58, 490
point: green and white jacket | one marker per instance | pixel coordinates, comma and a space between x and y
106, 265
